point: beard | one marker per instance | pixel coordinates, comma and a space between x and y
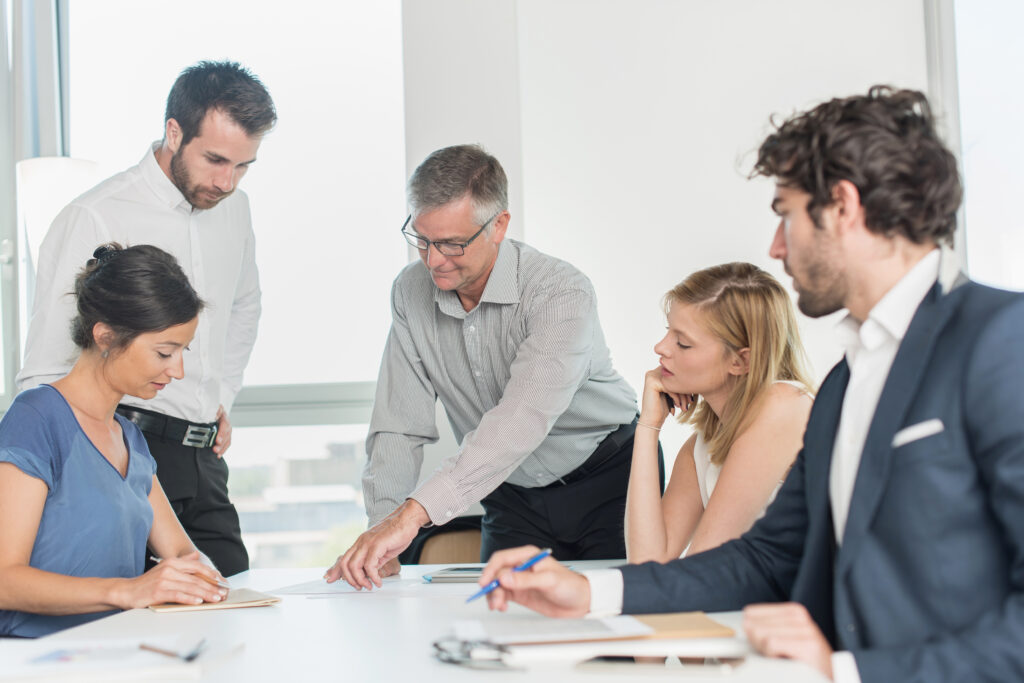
198, 197
820, 288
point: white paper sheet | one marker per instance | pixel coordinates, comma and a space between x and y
394, 586
536, 629
105, 660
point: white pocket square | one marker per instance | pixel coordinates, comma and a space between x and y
917, 432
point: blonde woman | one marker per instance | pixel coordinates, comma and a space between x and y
731, 362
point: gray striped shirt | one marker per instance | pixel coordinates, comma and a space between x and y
525, 378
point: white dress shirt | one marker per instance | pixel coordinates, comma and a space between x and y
216, 250
870, 347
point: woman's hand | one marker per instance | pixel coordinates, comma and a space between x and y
183, 580
654, 406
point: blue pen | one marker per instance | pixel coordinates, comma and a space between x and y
521, 568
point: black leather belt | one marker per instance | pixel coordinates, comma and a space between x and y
609, 447
172, 429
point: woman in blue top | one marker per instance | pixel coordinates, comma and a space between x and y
79, 497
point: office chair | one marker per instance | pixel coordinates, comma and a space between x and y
455, 542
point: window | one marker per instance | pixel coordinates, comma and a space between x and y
298, 492
327, 196
990, 67
327, 191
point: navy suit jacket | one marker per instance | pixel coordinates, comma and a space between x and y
928, 584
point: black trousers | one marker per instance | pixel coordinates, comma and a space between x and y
196, 483
581, 519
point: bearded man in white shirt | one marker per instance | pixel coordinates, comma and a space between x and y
181, 197
896, 545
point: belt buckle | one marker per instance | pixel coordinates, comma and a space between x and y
199, 436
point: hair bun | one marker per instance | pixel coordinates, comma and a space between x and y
104, 253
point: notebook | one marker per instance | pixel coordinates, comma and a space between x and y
237, 597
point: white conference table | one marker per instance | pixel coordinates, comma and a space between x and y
387, 636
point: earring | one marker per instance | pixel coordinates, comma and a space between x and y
104, 354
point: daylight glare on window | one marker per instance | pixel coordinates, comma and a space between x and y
333, 168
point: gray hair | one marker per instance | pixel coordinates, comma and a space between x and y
451, 173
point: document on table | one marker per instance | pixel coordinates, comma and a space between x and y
531, 629
321, 587
105, 660
393, 586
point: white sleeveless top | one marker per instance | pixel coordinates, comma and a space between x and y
707, 472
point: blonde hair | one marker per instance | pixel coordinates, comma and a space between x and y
744, 307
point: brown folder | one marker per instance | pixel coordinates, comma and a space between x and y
684, 625
236, 597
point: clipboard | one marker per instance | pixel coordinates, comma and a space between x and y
684, 634
236, 597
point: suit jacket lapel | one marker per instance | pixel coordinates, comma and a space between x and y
912, 358
814, 587
820, 438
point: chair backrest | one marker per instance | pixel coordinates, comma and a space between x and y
457, 541
44, 186
454, 547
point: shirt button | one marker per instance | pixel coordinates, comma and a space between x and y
448, 513
472, 328
476, 372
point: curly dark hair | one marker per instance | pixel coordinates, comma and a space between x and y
884, 143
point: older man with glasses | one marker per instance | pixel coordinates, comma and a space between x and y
509, 340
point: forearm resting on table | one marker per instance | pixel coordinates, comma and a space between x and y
27, 589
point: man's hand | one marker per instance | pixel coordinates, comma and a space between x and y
223, 441
374, 554
547, 587
787, 630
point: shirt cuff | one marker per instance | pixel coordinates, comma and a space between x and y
439, 500
844, 668
605, 592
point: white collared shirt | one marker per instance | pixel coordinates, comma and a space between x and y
870, 348
216, 250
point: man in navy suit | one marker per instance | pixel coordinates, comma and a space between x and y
898, 537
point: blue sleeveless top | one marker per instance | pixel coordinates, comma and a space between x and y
95, 522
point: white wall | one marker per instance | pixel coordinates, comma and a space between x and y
638, 120
462, 84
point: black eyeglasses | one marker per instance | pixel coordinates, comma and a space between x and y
445, 248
